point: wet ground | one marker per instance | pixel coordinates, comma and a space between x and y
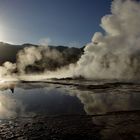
70, 110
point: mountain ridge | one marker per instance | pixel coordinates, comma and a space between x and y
8, 52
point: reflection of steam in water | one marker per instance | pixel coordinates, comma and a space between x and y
105, 100
116, 125
102, 103
94, 101
9, 107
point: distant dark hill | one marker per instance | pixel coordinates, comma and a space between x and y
8, 53
63, 57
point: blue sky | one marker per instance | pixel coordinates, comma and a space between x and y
60, 22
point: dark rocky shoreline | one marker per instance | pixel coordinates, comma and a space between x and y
117, 126
49, 128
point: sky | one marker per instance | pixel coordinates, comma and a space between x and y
57, 22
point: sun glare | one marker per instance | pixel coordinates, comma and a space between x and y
2, 35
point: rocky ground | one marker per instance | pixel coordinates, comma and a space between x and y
49, 128
120, 126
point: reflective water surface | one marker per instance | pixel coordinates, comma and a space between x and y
113, 108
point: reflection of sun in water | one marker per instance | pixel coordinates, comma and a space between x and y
6, 106
0, 105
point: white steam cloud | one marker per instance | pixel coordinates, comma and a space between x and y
7, 69
116, 53
27, 56
49, 58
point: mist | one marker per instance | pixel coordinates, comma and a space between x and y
115, 53
112, 54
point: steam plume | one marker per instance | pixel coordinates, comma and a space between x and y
43, 58
8, 68
115, 53
27, 56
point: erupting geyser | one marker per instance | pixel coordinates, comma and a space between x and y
114, 54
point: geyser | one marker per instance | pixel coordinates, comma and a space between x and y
114, 54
